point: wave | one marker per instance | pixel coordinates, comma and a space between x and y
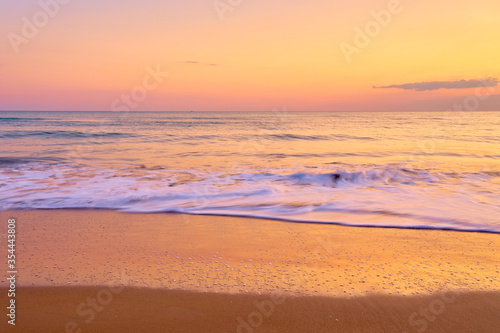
19, 119
372, 177
297, 137
334, 137
183, 124
61, 134
365, 195
449, 225
28, 160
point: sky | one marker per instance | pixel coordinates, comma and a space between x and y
242, 55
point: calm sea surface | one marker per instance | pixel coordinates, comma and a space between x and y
429, 169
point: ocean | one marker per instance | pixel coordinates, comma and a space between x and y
387, 169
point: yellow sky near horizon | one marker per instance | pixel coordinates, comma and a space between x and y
262, 55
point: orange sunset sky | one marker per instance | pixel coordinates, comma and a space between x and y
250, 54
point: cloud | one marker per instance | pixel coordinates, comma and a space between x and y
435, 85
191, 62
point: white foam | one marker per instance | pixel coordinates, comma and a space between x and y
367, 196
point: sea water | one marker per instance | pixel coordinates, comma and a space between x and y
394, 169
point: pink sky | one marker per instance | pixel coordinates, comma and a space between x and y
258, 55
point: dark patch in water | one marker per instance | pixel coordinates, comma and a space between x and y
62, 134
25, 160
335, 177
15, 118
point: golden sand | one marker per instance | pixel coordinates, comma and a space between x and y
205, 273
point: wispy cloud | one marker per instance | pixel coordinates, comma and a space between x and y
435, 85
191, 62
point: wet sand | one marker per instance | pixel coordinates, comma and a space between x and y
180, 273
54, 309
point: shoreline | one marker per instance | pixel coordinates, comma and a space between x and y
277, 219
214, 263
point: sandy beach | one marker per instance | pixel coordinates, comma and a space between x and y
103, 271
234, 166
